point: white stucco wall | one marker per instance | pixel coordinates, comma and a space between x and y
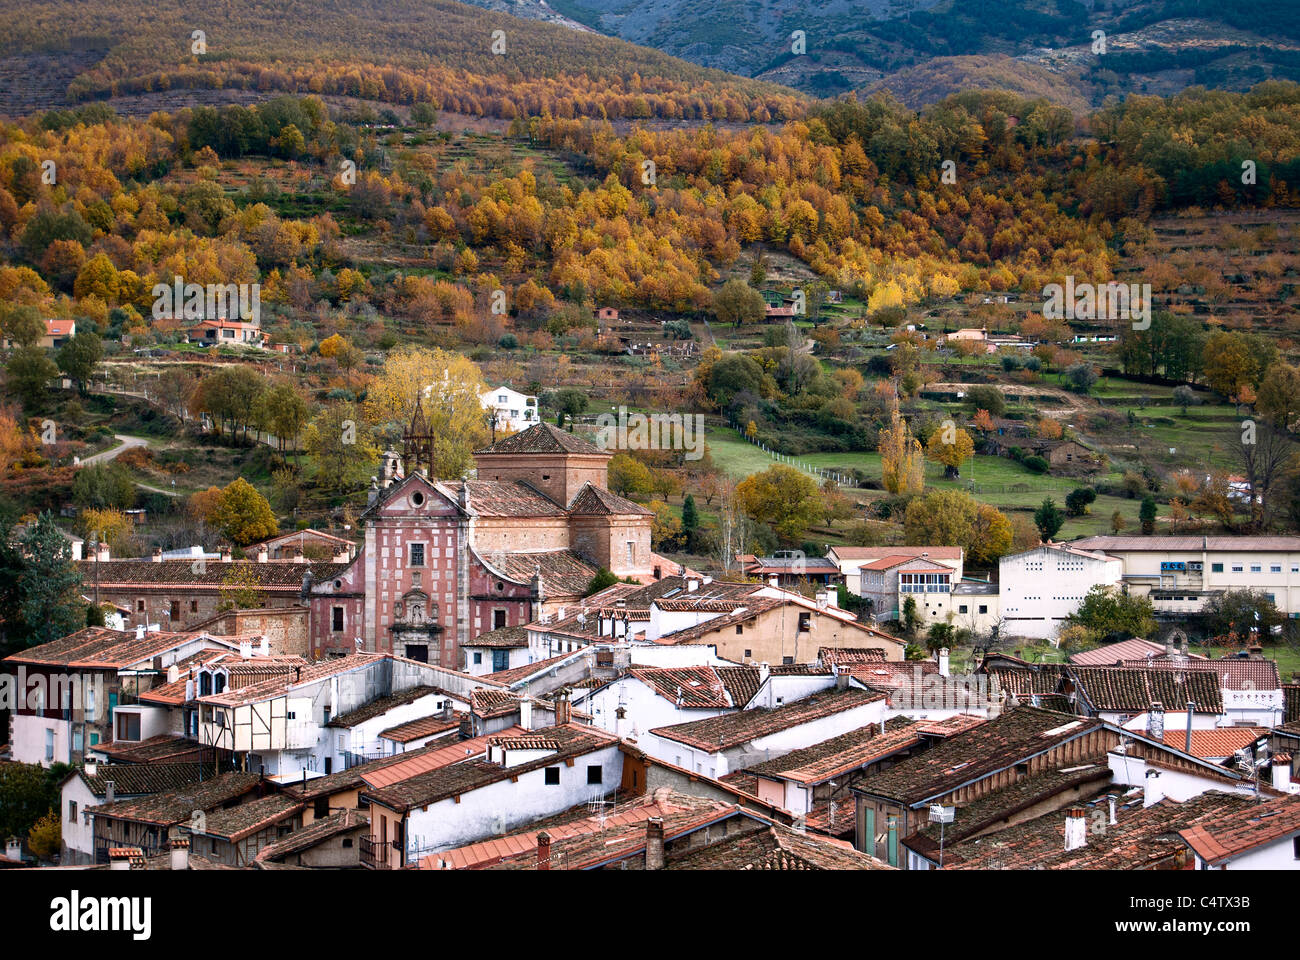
504, 805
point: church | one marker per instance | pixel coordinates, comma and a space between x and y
443, 562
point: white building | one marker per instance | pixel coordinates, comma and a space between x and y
1262, 836
1040, 588
1180, 573
513, 411
492, 785
719, 745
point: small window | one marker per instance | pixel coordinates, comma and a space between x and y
1295, 847
321, 808
963, 609
749, 653
1275, 568
337, 625
805, 622
139, 606
1236, 568
1256, 568
417, 498
72, 811
417, 554
478, 658
347, 843
740, 629
595, 773
1216, 568
174, 612
787, 661
194, 606
498, 619
552, 776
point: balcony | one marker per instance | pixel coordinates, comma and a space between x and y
377, 855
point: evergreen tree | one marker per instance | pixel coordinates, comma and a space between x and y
1147, 514
47, 587
1049, 519
690, 521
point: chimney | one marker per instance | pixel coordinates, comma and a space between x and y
263, 554
180, 853
943, 662
772, 580
91, 768
563, 710
764, 671
654, 843
157, 555
1111, 801
692, 584
102, 552
526, 713
263, 646
14, 849
224, 550
1191, 708
119, 860
1156, 722
297, 555
1076, 829
245, 649
110, 791
1282, 772
342, 555
841, 677
462, 495
543, 851
446, 709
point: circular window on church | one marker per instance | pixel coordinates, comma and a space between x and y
500, 585
338, 584
417, 498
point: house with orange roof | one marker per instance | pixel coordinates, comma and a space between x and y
57, 332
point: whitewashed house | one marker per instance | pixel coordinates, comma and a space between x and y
494, 784
511, 410
1040, 588
718, 745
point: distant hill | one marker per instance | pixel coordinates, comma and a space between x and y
932, 81
456, 56
921, 48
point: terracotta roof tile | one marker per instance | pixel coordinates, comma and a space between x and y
1219, 742
315, 833
1134, 689
970, 756
543, 438
178, 805
733, 729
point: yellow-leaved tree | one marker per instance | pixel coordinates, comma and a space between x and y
449, 387
902, 464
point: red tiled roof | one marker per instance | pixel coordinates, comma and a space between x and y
832, 656
434, 759
278, 686
1113, 654
1220, 742
423, 727
620, 832
1230, 833
104, 649
543, 438
1235, 673
733, 729
705, 687
866, 553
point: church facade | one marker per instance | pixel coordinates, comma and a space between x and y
445, 561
